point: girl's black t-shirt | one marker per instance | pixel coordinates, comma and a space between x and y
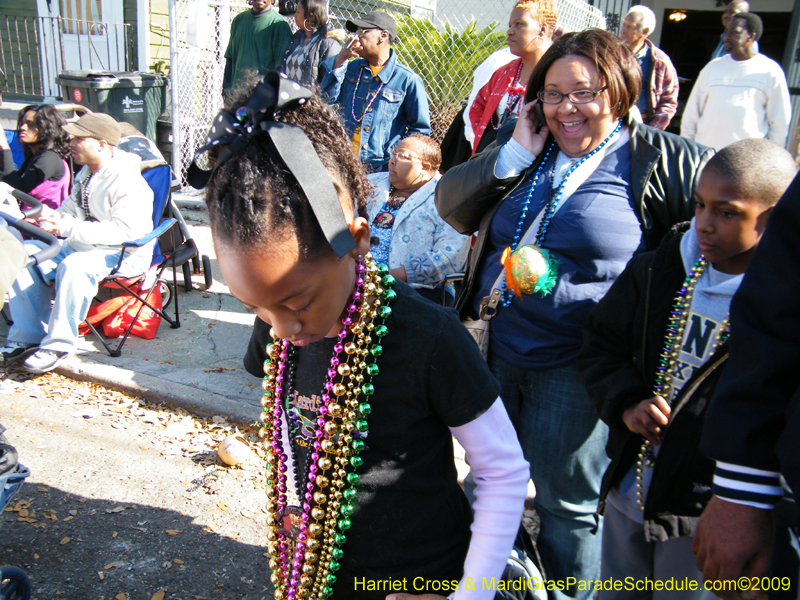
411, 518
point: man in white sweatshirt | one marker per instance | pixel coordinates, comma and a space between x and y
740, 95
110, 203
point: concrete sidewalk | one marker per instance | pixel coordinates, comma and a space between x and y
197, 366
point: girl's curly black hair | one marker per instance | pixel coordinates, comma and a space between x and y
253, 199
48, 122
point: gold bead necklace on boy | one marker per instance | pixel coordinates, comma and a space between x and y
326, 491
667, 368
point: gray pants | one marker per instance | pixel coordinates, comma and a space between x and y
628, 558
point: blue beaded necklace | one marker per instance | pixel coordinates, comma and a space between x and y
555, 198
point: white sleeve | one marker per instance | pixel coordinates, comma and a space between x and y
501, 474
691, 112
779, 109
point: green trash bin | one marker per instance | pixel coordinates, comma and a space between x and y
135, 98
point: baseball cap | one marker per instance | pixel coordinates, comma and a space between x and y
96, 125
373, 20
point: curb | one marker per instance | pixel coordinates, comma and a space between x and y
159, 390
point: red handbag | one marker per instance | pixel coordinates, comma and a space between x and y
117, 314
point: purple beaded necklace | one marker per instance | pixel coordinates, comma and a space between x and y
371, 100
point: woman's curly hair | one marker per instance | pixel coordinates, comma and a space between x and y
48, 122
253, 199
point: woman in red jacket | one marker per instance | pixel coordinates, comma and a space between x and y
530, 34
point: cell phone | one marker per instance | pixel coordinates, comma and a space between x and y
539, 112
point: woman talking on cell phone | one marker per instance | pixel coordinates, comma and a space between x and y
559, 209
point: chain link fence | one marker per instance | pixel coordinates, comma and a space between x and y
441, 40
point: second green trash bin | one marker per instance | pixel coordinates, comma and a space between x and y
136, 98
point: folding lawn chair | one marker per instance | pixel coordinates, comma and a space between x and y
141, 287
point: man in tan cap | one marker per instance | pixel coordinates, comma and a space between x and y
110, 203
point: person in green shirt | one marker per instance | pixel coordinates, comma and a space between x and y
258, 41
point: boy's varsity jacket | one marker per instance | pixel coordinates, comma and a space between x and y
623, 341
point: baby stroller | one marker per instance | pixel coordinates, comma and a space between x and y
14, 583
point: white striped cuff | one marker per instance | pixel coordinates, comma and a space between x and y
746, 485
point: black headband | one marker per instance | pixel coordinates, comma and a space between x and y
275, 93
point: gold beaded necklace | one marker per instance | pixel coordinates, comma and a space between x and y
328, 490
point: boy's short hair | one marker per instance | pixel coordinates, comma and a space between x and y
755, 168
429, 149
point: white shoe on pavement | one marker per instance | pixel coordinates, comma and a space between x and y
16, 350
44, 361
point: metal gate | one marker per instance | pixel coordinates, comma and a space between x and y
442, 40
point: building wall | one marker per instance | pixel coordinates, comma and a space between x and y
159, 36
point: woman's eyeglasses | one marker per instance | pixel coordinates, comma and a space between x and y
576, 97
404, 156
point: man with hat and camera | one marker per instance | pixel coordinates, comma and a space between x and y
380, 100
110, 203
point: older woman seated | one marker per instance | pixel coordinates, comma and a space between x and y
408, 234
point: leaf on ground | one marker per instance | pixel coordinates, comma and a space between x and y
121, 596
111, 566
22, 512
65, 540
222, 506
173, 532
113, 535
159, 595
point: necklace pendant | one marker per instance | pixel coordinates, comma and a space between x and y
530, 270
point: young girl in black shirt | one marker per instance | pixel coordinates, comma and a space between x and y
366, 383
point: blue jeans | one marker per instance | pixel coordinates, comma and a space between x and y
70, 281
564, 441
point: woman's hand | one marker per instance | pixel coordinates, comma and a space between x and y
648, 418
399, 273
525, 132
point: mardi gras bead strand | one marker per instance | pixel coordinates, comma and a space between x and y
668, 362
341, 424
371, 100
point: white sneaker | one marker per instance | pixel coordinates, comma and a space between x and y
16, 350
44, 360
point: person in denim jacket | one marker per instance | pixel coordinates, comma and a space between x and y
379, 99
406, 232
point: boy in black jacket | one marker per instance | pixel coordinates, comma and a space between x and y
653, 352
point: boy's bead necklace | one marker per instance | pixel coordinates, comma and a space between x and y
667, 367
327, 486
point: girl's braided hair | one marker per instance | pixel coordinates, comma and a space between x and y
253, 199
